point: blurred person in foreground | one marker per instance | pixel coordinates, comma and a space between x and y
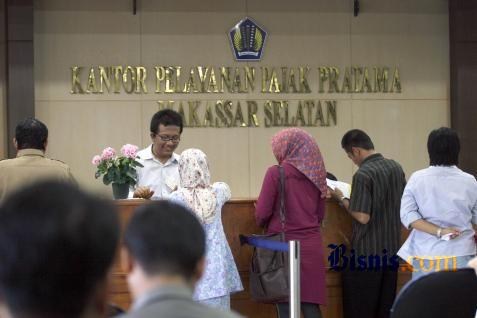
57, 246
164, 255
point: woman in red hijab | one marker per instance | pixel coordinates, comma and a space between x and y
305, 190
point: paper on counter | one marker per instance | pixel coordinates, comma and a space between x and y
342, 186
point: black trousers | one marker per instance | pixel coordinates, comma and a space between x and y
309, 310
368, 294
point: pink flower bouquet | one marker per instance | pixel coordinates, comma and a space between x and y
120, 169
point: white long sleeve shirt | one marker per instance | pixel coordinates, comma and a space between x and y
444, 196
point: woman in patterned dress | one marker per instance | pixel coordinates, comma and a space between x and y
221, 277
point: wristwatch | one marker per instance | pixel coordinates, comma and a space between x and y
438, 234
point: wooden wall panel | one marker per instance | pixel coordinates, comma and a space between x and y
3, 81
20, 87
463, 70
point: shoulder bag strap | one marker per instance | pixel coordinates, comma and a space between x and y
282, 197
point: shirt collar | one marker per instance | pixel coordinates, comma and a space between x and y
175, 158
167, 291
148, 155
453, 167
30, 152
373, 157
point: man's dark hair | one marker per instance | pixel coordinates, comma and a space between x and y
443, 146
57, 245
165, 238
166, 117
31, 133
331, 176
356, 138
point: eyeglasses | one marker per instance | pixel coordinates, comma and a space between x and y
174, 139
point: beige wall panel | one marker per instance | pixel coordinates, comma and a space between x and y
148, 109
303, 38
192, 6
168, 46
329, 140
301, 6
300, 41
416, 42
80, 130
228, 153
87, 37
190, 33
84, 5
399, 129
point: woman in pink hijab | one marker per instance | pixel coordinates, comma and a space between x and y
205, 200
305, 190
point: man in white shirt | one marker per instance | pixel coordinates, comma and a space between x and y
440, 204
160, 174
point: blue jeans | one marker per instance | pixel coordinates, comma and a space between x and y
422, 266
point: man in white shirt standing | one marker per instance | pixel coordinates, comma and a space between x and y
160, 174
439, 204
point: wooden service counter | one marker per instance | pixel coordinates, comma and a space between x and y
238, 218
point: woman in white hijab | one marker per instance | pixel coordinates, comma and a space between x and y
221, 277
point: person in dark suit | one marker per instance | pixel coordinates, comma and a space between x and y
164, 252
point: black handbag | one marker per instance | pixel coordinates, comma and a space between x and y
269, 270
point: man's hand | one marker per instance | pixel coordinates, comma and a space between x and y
450, 230
336, 194
359, 216
473, 264
143, 192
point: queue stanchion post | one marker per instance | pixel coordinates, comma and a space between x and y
294, 259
